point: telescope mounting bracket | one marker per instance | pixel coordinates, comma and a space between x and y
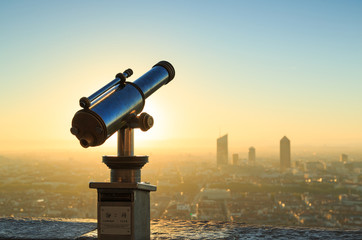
125, 167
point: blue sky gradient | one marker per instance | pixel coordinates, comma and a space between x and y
255, 69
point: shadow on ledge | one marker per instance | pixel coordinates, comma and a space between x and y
85, 229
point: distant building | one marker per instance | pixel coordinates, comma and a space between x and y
343, 158
299, 165
337, 168
215, 193
314, 166
285, 158
235, 159
222, 151
251, 156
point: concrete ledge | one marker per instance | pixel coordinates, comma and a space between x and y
28, 228
83, 229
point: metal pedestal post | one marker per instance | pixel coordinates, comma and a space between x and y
123, 207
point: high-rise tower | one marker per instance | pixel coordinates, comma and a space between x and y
343, 158
251, 158
222, 150
284, 154
235, 159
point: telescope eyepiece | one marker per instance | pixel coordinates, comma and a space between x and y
84, 143
87, 140
128, 73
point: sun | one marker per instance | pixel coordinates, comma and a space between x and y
157, 130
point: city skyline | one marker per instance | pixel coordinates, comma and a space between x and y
323, 193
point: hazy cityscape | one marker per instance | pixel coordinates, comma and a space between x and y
310, 191
249, 113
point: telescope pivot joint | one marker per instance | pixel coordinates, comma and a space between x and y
144, 121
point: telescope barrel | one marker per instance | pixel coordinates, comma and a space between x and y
155, 78
97, 122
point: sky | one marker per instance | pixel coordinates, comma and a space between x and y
256, 70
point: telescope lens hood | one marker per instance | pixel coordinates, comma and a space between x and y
170, 69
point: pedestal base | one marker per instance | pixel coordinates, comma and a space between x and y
123, 210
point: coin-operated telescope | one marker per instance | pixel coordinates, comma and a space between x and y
124, 202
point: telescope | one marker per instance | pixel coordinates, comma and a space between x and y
116, 104
123, 206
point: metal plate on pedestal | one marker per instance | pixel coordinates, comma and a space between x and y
115, 220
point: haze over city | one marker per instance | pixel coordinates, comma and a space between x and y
260, 125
